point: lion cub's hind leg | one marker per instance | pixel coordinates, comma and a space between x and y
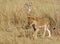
49, 33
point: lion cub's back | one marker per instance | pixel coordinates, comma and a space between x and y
42, 21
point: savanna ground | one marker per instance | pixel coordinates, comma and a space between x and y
13, 18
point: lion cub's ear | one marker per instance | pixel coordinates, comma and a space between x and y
34, 18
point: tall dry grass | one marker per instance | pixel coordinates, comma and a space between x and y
13, 15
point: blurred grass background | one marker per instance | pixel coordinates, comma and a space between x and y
13, 15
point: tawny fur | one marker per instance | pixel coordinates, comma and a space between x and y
40, 23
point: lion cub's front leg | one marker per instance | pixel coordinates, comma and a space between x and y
35, 33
